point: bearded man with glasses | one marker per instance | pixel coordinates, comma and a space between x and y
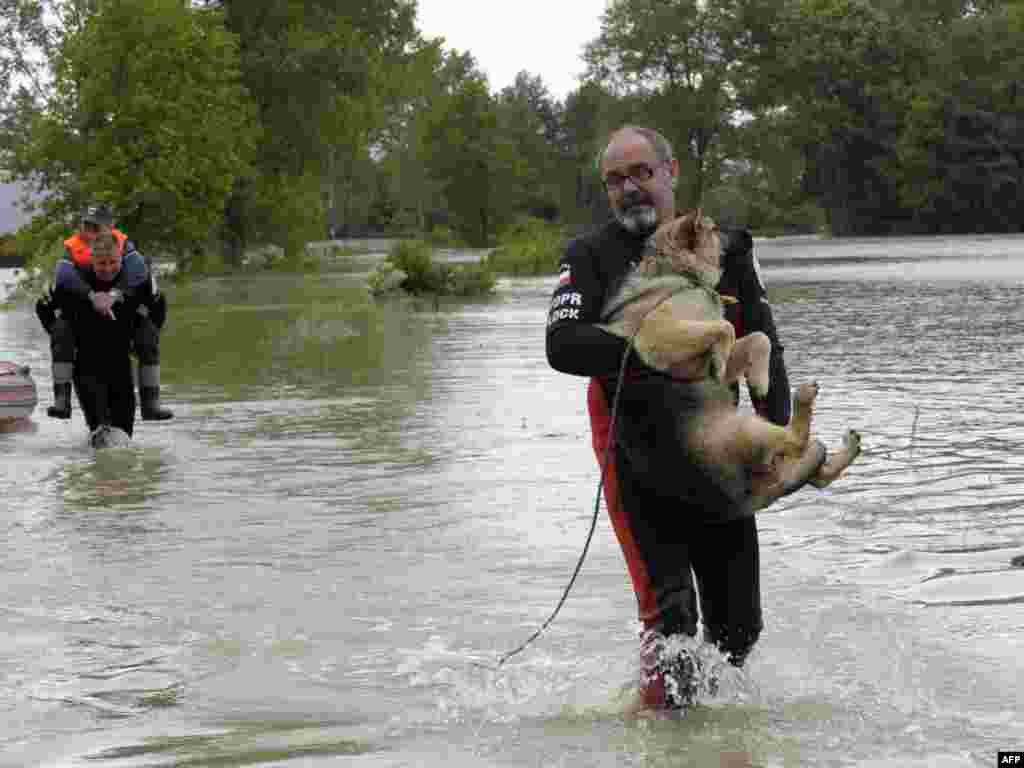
680, 533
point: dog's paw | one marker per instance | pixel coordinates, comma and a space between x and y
803, 410
807, 393
792, 447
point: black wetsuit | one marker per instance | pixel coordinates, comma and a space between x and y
667, 517
103, 370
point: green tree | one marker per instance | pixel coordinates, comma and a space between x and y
401, 143
318, 71
31, 35
591, 113
673, 55
466, 154
899, 108
529, 119
847, 67
154, 122
762, 186
961, 154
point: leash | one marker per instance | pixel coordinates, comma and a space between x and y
620, 379
593, 520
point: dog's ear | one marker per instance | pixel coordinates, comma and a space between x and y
693, 225
664, 238
677, 234
708, 249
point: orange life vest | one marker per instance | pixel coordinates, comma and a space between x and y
81, 251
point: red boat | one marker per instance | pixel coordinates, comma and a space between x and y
17, 392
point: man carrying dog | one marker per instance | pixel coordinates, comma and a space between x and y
680, 532
134, 276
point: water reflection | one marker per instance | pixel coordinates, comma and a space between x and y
241, 744
274, 336
118, 478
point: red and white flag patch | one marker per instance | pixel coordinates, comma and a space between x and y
564, 275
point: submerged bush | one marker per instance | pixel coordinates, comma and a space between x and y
469, 280
386, 279
416, 259
410, 267
530, 247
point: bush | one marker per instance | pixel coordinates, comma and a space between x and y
386, 280
287, 211
470, 280
410, 267
276, 259
529, 247
415, 259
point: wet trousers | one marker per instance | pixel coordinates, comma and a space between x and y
105, 391
676, 559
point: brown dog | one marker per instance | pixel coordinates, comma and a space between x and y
671, 310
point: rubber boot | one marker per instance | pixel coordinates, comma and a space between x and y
669, 685
149, 398
61, 408
667, 682
149, 394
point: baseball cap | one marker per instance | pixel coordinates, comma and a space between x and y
98, 214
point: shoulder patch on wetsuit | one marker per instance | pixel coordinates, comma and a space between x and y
564, 275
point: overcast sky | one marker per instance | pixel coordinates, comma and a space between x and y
544, 37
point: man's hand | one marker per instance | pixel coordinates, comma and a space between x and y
103, 302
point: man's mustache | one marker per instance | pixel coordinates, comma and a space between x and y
636, 199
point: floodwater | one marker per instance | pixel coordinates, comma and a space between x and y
359, 507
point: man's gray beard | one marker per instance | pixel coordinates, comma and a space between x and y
639, 220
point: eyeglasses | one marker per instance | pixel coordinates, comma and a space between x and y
638, 174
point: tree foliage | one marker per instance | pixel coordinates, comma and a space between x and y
961, 154
907, 112
676, 56
260, 121
154, 123
465, 153
320, 73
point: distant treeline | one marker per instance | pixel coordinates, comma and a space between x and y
287, 120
